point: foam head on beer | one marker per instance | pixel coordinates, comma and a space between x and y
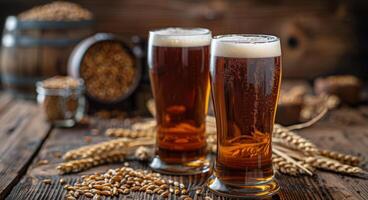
180, 37
246, 46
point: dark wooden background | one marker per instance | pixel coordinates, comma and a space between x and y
318, 36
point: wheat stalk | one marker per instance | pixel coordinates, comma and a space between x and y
291, 160
310, 122
211, 143
328, 102
343, 158
87, 163
307, 166
147, 124
96, 149
98, 154
151, 107
332, 165
280, 164
131, 133
121, 144
293, 140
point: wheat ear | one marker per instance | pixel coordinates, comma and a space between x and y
292, 139
332, 165
100, 148
343, 158
130, 133
86, 163
291, 160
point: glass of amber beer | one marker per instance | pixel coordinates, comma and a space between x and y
245, 78
178, 60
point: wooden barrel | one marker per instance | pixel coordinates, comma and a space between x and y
80, 52
35, 50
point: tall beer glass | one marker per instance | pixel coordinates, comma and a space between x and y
245, 79
178, 61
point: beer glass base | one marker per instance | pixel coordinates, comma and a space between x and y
189, 168
262, 190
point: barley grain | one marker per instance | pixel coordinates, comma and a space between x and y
88, 194
62, 181
46, 181
165, 194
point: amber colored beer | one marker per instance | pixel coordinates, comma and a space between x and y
179, 73
249, 87
245, 77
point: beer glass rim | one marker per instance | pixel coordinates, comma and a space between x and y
269, 38
157, 31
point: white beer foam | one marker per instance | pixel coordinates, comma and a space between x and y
180, 37
246, 46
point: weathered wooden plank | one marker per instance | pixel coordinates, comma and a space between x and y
352, 140
325, 185
22, 132
10, 121
5, 101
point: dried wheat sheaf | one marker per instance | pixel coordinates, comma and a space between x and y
298, 155
292, 154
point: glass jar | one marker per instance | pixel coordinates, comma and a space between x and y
63, 106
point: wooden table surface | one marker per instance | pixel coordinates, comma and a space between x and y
25, 138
